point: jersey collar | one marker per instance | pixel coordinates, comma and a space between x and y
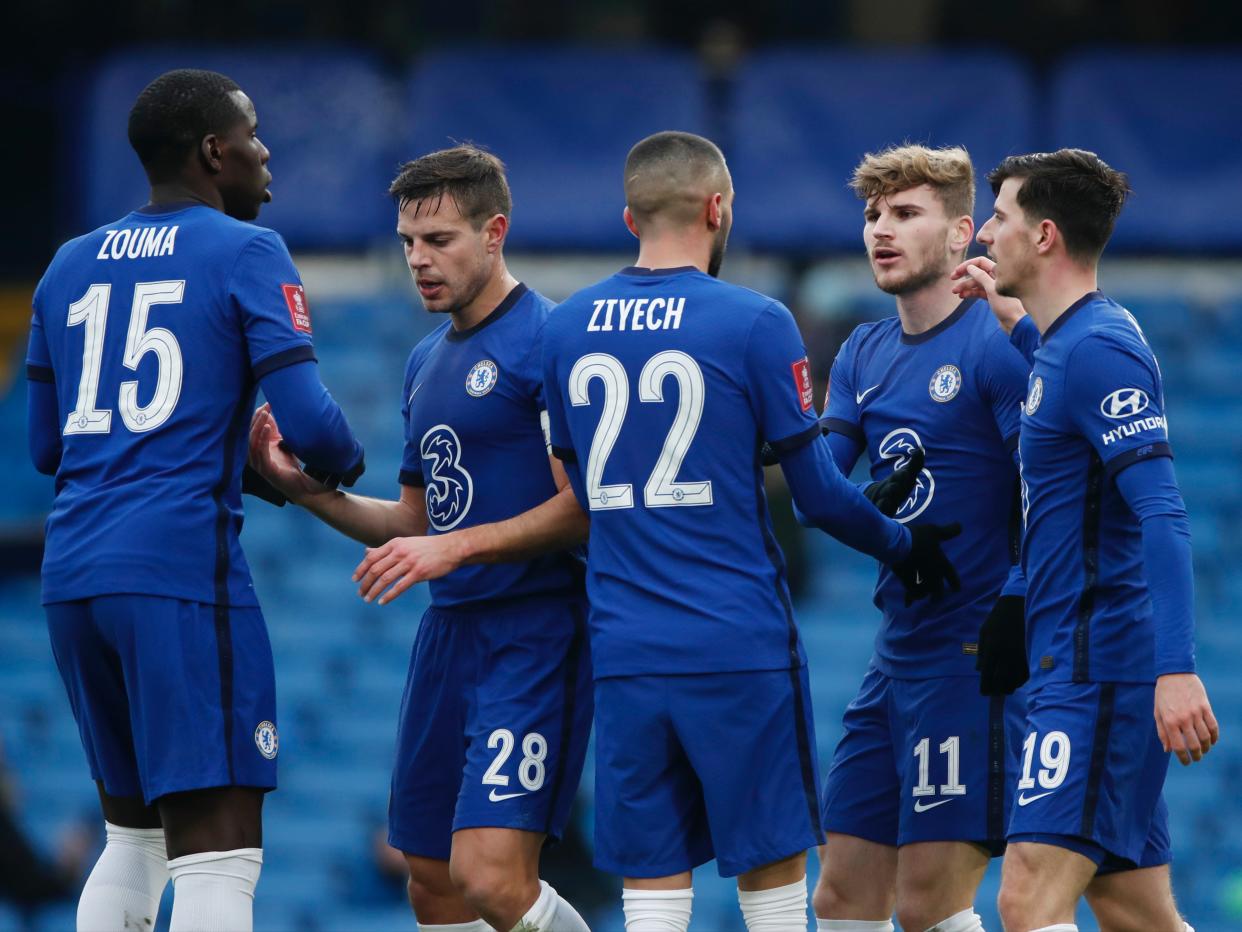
172, 207
958, 312
656, 273
1070, 312
503, 308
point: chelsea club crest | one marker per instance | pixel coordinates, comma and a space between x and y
266, 740
482, 378
945, 384
1034, 396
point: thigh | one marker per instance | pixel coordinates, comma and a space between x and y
956, 753
528, 719
751, 741
430, 752
862, 792
222, 818
1134, 900
95, 684
650, 820
1092, 768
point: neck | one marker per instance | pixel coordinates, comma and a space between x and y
1050, 296
921, 310
672, 250
174, 192
487, 300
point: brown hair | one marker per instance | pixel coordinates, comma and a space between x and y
473, 178
1075, 189
899, 168
666, 173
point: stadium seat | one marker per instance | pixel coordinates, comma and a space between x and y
326, 113
562, 120
1165, 118
804, 117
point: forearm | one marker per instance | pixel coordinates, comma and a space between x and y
845, 452
312, 424
371, 521
557, 524
43, 427
832, 503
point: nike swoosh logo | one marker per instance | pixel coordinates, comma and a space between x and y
920, 806
495, 797
859, 396
1024, 800
410, 401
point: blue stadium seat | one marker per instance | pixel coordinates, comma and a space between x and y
562, 120
804, 117
326, 113
1165, 118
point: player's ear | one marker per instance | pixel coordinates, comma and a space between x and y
963, 232
1046, 236
496, 229
715, 211
630, 223
209, 150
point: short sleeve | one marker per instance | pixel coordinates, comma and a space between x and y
1115, 398
267, 291
1003, 380
411, 456
778, 377
1025, 338
840, 403
38, 356
557, 429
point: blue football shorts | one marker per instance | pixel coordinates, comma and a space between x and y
1092, 775
494, 723
925, 760
691, 767
169, 695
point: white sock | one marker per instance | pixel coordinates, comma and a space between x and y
214, 891
1187, 927
551, 913
965, 921
657, 910
854, 925
781, 909
125, 886
479, 925
1059, 927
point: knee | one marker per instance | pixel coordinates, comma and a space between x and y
428, 885
836, 898
492, 889
1015, 902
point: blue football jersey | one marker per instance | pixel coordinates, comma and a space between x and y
475, 441
1095, 404
661, 386
955, 391
155, 330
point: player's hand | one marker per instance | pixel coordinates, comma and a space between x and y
891, 493
1184, 719
269, 457
926, 569
976, 278
1001, 660
402, 562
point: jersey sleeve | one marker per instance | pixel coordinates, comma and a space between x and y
411, 457
1025, 338
1003, 380
267, 292
778, 379
38, 356
1115, 397
840, 404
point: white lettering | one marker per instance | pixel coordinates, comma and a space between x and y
593, 325
612, 302
672, 318
653, 322
121, 243
135, 244
1134, 427
639, 310
103, 250
169, 241
627, 306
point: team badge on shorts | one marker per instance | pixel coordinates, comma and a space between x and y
1035, 395
266, 740
482, 378
945, 384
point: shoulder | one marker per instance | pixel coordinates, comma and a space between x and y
867, 336
424, 347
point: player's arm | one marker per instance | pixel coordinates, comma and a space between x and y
555, 525
371, 521
1184, 718
43, 430
976, 278
312, 425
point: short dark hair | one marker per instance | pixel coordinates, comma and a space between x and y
472, 177
1075, 189
173, 114
664, 172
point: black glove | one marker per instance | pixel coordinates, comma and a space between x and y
1001, 660
890, 494
927, 569
254, 484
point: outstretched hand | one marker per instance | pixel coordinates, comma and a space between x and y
976, 278
403, 562
926, 570
270, 458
